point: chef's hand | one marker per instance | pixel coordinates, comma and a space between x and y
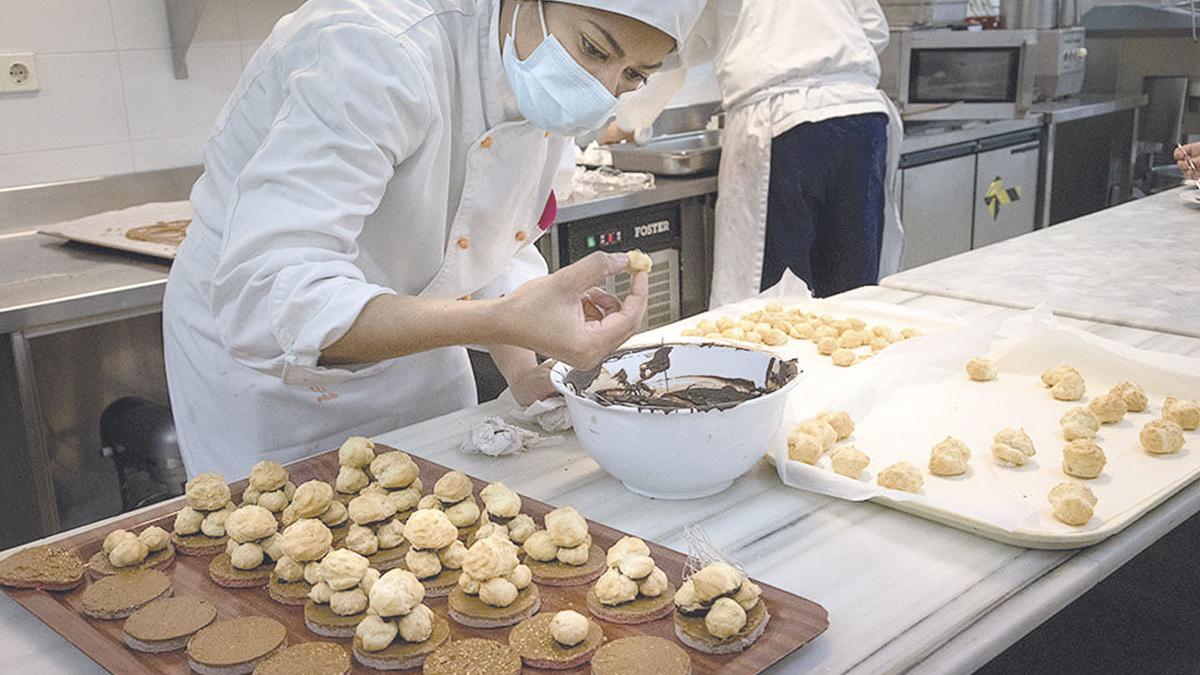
565, 317
533, 384
528, 380
613, 134
1193, 151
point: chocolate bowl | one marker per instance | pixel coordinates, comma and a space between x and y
678, 421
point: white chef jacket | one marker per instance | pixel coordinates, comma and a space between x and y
779, 63
369, 148
760, 45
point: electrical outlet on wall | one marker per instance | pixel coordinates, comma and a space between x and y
18, 73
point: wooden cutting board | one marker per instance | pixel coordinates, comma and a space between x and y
794, 620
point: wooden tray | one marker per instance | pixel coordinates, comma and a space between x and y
794, 620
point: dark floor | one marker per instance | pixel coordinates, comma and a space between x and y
1143, 619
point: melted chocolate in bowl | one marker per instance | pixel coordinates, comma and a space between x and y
659, 388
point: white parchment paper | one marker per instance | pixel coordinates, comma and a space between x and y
917, 393
791, 292
108, 229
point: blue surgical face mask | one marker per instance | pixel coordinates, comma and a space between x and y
553, 91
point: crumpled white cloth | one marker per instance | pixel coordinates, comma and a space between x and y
551, 415
605, 181
497, 438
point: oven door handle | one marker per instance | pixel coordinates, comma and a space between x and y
1025, 93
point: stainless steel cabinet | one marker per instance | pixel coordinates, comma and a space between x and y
967, 195
1005, 193
938, 207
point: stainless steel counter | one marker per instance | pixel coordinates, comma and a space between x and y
45, 282
921, 136
665, 190
1085, 106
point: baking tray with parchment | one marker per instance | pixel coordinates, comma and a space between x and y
918, 393
154, 229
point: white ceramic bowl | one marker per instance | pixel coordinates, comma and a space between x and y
682, 454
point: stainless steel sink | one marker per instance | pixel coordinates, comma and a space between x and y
675, 155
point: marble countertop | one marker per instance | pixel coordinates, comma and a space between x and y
904, 594
1135, 265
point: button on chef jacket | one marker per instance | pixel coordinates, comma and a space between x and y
369, 148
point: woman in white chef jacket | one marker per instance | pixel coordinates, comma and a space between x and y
377, 164
811, 146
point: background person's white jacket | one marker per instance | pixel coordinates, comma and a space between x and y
779, 63
367, 149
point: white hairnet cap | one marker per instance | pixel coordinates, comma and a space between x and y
673, 17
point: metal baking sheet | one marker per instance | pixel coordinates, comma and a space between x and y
676, 155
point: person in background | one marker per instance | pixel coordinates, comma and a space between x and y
371, 196
1183, 155
811, 146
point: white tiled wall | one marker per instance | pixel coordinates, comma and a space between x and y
109, 101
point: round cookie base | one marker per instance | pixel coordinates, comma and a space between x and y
389, 558
99, 567
404, 655
236, 669
42, 585
293, 594
477, 654
310, 658
465, 533
641, 653
44, 568
339, 532
223, 573
124, 612
156, 647
560, 574
561, 665
199, 545
470, 611
758, 617
167, 625
532, 640
638, 611
323, 621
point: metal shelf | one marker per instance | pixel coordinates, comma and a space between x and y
183, 16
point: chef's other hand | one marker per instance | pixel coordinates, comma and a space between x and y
548, 314
1193, 151
533, 384
613, 134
